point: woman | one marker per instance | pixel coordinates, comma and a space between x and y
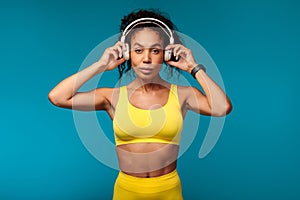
147, 113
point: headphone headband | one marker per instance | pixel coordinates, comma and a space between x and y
144, 21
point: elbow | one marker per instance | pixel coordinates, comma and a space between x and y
225, 110
54, 99
228, 108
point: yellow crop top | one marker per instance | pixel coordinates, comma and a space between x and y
135, 125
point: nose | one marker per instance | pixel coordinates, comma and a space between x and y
147, 56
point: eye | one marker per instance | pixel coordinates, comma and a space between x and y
155, 51
138, 51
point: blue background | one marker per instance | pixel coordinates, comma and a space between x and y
255, 45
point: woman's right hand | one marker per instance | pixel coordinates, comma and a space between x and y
113, 56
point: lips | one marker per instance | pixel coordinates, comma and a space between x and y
145, 70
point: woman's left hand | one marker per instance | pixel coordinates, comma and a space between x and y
186, 62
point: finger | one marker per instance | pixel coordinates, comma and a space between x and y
176, 49
120, 61
114, 53
171, 46
120, 51
180, 52
123, 45
120, 46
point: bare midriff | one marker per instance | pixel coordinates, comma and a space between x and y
147, 160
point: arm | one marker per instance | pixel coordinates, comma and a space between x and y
66, 94
214, 102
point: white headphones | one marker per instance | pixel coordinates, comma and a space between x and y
167, 54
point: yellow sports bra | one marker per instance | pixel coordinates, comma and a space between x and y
135, 125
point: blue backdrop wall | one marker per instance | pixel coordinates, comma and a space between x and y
255, 45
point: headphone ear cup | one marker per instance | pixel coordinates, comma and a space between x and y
126, 52
167, 55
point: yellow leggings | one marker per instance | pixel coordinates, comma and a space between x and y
165, 187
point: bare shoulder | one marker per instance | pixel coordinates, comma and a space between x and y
188, 93
185, 91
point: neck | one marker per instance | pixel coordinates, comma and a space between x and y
148, 85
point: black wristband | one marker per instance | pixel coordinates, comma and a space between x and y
196, 69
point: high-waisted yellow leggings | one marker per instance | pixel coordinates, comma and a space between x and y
165, 187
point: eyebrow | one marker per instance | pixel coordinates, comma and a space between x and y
154, 45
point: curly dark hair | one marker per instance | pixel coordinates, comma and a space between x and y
142, 13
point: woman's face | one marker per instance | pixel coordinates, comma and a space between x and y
146, 53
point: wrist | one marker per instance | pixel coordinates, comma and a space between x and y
191, 66
99, 66
196, 69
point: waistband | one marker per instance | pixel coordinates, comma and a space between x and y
148, 185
